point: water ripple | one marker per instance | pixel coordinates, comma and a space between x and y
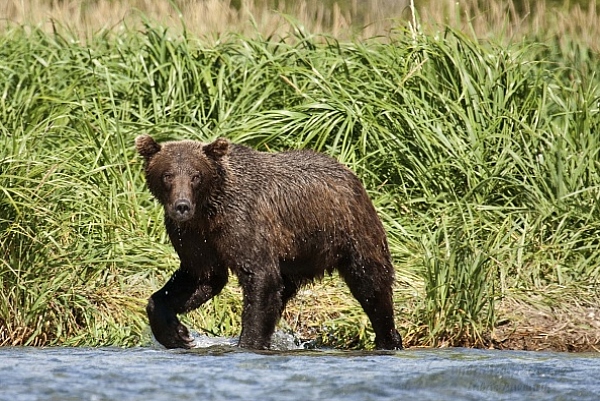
221, 371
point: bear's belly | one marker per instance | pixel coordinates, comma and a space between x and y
308, 266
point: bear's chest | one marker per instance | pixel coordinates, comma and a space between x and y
195, 249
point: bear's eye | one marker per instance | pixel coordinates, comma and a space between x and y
195, 179
167, 178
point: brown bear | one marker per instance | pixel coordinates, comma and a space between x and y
277, 221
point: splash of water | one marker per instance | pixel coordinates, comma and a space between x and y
281, 341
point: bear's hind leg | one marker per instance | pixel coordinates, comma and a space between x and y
182, 293
371, 284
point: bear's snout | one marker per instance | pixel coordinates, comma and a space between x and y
181, 210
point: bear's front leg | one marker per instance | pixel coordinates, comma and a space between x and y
182, 293
165, 325
263, 305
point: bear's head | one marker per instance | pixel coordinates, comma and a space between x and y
182, 174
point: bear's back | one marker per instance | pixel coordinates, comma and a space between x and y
293, 166
306, 190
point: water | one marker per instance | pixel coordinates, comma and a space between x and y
220, 371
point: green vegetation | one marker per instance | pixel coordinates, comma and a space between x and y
482, 159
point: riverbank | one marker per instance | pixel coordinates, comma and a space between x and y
481, 157
533, 329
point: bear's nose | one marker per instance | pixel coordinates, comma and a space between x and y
183, 206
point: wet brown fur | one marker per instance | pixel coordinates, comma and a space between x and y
276, 220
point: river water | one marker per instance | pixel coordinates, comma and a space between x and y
219, 371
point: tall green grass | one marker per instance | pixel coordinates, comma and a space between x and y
482, 160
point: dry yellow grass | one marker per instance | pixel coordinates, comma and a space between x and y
206, 17
503, 19
496, 19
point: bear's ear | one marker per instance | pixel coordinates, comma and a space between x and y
217, 149
146, 146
